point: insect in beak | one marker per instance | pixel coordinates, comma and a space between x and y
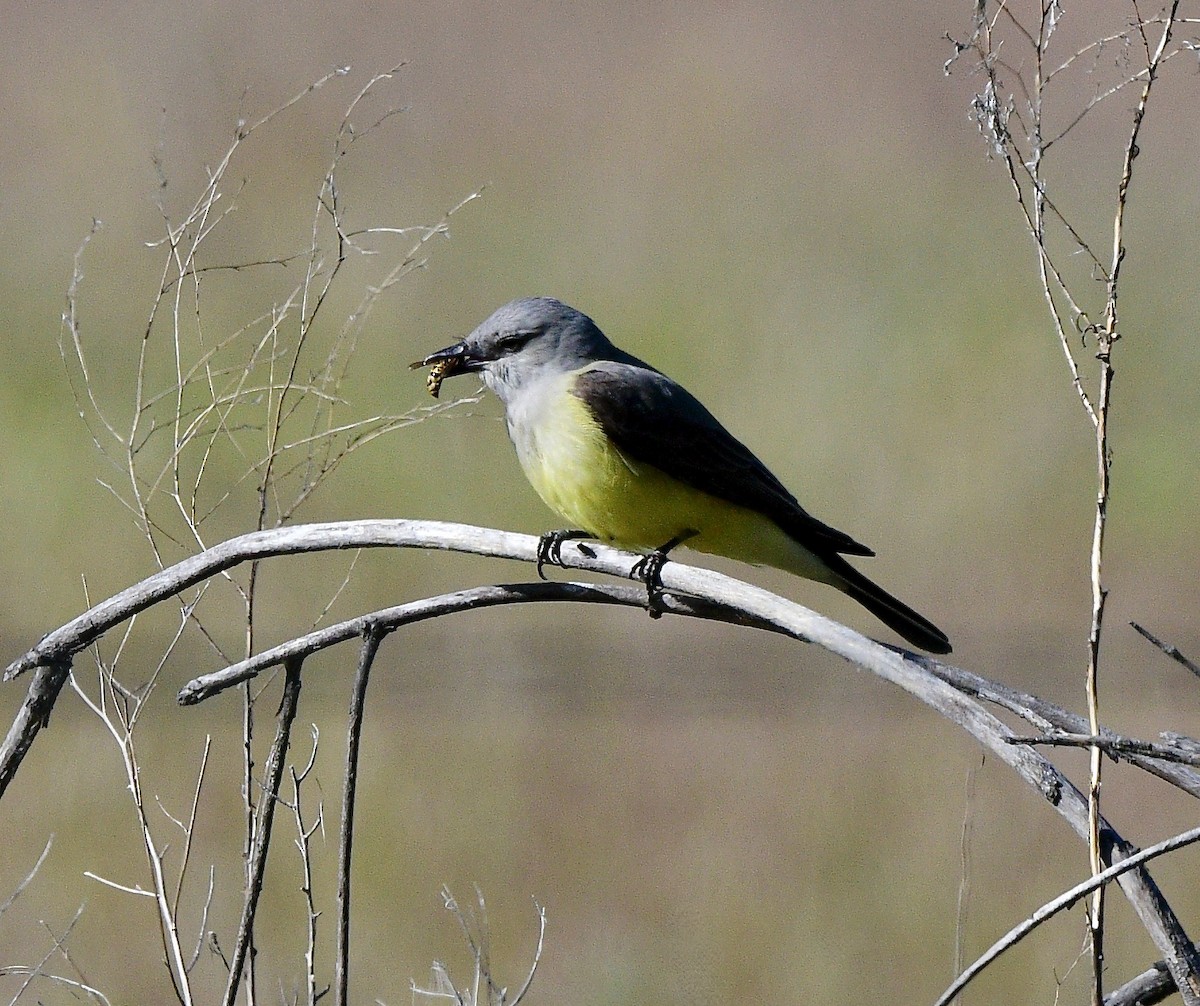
444, 363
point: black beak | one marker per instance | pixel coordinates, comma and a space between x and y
454, 355
446, 363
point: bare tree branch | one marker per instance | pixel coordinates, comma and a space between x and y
1169, 649
372, 635
389, 619
304, 837
1115, 746
272, 778
1047, 716
20, 888
1153, 985
32, 716
906, 670
1064, 901
1013, 118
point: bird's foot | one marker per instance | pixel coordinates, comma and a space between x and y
550, 545
648, 569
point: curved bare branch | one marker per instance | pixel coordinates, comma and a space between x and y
1062, 902
915, 674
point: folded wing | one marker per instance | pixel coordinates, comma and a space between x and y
653, 420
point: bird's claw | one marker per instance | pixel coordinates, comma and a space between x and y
549, 550
648, 569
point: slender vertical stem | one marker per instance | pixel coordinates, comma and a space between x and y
372, 634
273, 777
1106, 337
1095, 915
249, 806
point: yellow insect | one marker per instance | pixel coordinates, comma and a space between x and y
437, 373
433, 382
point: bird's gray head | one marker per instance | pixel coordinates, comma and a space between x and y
525, 341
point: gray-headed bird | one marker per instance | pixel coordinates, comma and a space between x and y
629, 457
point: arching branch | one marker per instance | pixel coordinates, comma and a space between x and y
733, 598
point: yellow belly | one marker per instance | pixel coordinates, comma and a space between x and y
581, 475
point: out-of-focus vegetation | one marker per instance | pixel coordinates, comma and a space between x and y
788, 209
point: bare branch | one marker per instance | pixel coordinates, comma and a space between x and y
134, 889
303, 840
484, 990
1169, 649
32, 716
372, 635
272, 777
71, 983
20, 888
1115, 747
537, 955
1152, 986
1064, 901
202, 929
119, 719
387, 620
1024, 151
909, 672
1046, 716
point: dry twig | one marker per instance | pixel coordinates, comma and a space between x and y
1013, 112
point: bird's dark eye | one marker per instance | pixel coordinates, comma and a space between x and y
510, 342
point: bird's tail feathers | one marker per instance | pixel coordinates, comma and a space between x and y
894, 613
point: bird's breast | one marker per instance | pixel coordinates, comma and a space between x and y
564, 452
581, 474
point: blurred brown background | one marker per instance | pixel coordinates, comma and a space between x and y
786, 207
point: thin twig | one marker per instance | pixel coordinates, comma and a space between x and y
272, 777
189, 829
389, 619
372, 636
304, 836
1064, 901
119, 721
202, 928
29, 973
1024, 155
537, 955
34, 714
20, 888
1169, 649
1115, 747
1106, 337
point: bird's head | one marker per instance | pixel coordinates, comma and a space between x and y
525, 341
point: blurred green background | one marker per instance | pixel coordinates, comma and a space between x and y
788, 208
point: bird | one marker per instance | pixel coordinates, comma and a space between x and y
631, 458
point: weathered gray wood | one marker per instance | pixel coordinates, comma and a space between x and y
915, 674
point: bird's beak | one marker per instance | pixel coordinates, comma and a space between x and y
446, 363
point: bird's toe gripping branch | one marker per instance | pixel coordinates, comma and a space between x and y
549, 550
648, 569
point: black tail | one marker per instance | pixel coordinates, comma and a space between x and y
895, 614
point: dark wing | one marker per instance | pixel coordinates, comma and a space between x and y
653, 420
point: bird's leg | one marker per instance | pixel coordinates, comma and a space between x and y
550, 545
649, 569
